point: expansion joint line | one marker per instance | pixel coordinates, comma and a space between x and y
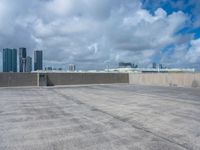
121, 119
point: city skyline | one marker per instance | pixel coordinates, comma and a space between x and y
18, 60
26, 63
94, 34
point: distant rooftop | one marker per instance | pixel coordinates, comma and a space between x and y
151, 70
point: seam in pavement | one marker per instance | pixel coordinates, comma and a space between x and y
121, 120
167, 98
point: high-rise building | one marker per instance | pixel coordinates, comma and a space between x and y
9, 60
154, 65
28, 64
160, 66
72, 67
22, 59
38, 60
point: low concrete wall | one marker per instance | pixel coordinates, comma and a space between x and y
51, 79
86, 78
18, 79
166, 79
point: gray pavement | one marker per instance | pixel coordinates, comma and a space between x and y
100, 117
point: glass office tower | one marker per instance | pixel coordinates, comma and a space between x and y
9, 60
22, 59
38, 60
28, 64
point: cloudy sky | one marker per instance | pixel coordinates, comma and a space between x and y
96, 33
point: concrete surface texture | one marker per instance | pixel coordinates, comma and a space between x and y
100, 117
18, 79
52, 79
86, 78
166, 79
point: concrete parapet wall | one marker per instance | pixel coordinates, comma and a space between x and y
166, 79
18, 79
51, 79
86, 78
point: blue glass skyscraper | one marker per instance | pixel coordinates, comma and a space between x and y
38, 60
9, 60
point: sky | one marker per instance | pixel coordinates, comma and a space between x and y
95, 34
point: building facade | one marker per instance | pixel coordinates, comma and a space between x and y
9, 60
154, 65
28, 64
38, 60
22, 59
72, 67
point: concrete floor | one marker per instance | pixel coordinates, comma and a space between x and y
99, 117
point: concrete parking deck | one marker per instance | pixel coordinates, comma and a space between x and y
99, 117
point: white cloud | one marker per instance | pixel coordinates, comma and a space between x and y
88, 32
193, 55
